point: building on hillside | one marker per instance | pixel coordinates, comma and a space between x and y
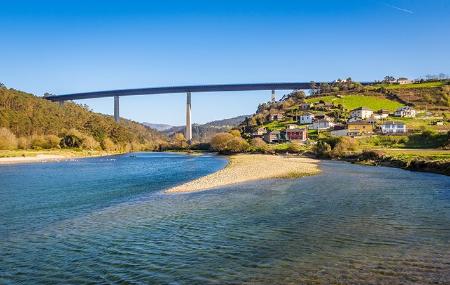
272, 137
276, 116
404, 80
339, 131
359, 128
304, 106
405, 111
298, 134
381, 114
292, 126
259, 133
306, 118
393, 128
321, 124
361, 113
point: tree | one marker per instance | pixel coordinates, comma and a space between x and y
179, 140
226, 143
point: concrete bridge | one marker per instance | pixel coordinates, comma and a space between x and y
182, 89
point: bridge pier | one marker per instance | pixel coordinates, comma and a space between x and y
188, 131
116, 109
273, 96
61, 103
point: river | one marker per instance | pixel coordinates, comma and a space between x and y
106, 220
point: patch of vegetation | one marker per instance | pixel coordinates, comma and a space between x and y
351, 102
40, 124
433, 84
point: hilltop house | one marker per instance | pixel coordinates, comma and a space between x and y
405, 111
275, 116
381, 114
393, 128
358, 128
297, 134
360, 113
306, 118
404, 80
271, 137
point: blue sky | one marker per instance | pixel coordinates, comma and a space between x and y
75, 46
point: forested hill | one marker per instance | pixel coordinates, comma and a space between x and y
39, 123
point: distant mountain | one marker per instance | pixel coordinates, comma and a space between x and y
158, 127
204, 132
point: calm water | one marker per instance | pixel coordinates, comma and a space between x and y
105, 220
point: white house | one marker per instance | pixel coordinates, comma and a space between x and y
381, 114
322, 124
405, 111
393, 128
306, 118
361, 113
404, 80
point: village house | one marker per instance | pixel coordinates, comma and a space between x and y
298, 134
275, 116
321, 124
339, 131
304, 106
361, 113
259, 132
272, 137
359, 128
393, 128
381, 114
405, 111
306, 118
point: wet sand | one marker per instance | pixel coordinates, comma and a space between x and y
250, 167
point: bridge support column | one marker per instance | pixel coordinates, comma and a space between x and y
273, 96
116, 109
188, 131
61, 103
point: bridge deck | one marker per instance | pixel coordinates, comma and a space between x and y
183, 89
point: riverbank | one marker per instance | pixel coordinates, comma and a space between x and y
423, 160
251, 167
34, 156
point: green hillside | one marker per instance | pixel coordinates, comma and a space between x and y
354, 101
38, 123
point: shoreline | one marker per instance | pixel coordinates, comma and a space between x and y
251, 167
50, 156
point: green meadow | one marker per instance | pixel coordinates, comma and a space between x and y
354, 101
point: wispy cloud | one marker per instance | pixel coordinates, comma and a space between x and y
398, 8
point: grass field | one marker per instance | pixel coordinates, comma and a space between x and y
432, 154
413, 85
278, 125
354, 101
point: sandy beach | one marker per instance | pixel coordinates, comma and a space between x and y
29, 159
251, 167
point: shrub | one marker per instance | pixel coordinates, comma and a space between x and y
345, 145
295, 147
73, 138
38, 142
227, 143
89, 143
108, 145
7, 139
235, 133
53, 141
322, 149
24, 143
259, 145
